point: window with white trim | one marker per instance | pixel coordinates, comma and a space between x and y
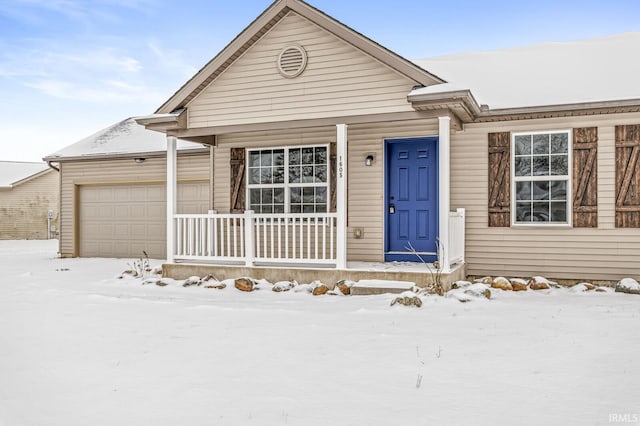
541, 177
288, 180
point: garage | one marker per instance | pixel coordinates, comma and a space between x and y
123, 220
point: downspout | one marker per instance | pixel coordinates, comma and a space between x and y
57, 169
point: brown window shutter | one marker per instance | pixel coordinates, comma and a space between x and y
237, 180
333, 173
499, 179
627, 176
585, 177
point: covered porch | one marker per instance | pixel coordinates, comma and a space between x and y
298, 244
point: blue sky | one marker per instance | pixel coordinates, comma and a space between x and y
69, 68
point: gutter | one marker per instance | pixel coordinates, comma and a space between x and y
559, 108
57, 169
463, 95
124, 155
172, 117
482, 113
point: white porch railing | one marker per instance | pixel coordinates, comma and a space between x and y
249, 238
456, 236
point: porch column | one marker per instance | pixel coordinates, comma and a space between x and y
444, 142
341, 197
172, 186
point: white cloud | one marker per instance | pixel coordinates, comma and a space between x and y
110, 91
89, 73
171, 59
85, 12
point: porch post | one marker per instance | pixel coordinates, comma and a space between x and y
444, 141
341, 197
249, 238
172, 186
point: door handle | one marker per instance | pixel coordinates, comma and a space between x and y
392, 209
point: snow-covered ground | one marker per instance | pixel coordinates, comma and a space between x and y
79, 347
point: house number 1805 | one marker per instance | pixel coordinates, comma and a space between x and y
340, 167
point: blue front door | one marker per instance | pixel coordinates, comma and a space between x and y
411, 199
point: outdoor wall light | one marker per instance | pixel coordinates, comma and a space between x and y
139, 160
368, 161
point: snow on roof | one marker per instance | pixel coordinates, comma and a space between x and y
12, 172
125, 137
595, 70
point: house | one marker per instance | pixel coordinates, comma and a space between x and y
28, 201
329, 150
113, 191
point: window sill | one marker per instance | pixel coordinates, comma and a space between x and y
542, 226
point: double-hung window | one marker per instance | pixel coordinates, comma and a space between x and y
288, 180
541, 177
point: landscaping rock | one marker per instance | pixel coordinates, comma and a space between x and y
281, 286
408, 300
128, 272
344, 286
582, 287
538, 286
519, 284
244, 284
602, 289
478, 290
216, 286
484, 280
156, 270
191, 281
209, 277
460, 284
472, 292
303, 288
320, 289
579, 288
502, 283
628, 285
163, 282
540, 283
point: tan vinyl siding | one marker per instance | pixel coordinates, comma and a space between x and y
564, 253
339, 80
116, 171
365, 184
23, 208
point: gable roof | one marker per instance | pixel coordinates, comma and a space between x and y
124, 138
578, 72
261, 25
12, 173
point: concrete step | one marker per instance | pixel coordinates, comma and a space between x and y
369, 287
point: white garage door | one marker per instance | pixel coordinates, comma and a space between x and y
125, 220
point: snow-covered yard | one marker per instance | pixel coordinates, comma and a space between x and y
79, 347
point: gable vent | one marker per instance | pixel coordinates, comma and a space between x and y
292, 61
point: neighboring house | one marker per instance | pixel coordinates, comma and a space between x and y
330, 149
113, 191
28, 201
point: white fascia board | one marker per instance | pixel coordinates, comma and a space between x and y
171, 117
623, 103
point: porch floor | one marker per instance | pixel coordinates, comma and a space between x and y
417, 273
